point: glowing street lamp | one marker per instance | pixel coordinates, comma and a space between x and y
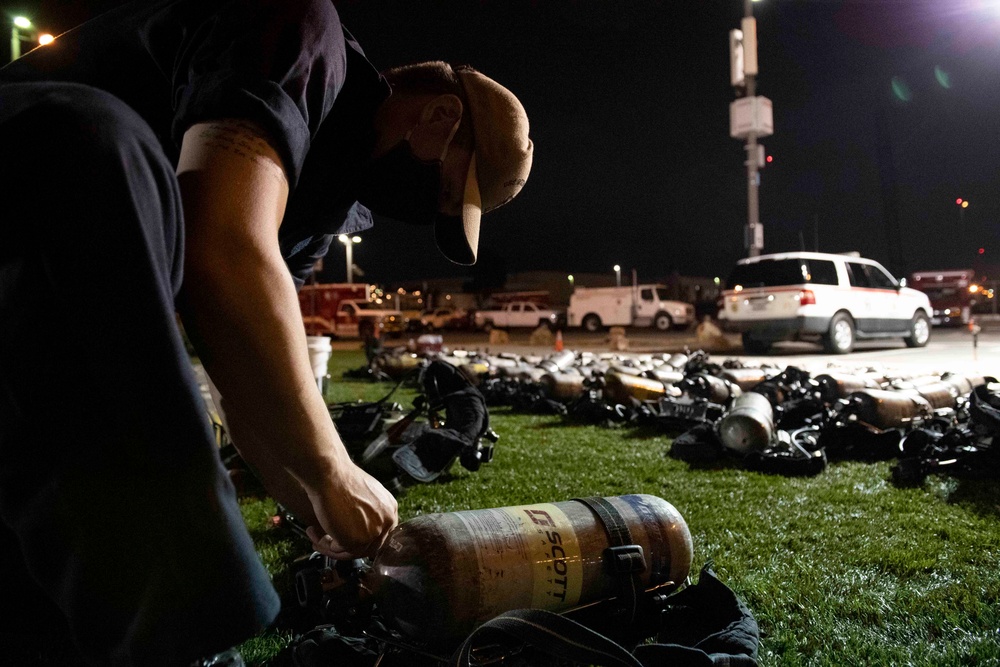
618, 275
349, 242
23, 30
20, 23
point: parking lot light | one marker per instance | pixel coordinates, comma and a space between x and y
349, 242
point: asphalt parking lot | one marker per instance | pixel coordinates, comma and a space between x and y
950, 349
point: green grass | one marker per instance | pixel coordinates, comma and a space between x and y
839, 569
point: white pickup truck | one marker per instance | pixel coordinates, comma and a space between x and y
517, 314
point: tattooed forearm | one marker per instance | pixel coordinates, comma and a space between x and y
241, 139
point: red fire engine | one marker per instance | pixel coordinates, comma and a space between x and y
345, 310
952, 294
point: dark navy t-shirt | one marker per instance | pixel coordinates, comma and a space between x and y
288, 65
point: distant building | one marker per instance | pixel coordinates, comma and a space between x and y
557, 285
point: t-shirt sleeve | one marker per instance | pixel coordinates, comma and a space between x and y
280, 63
302, 263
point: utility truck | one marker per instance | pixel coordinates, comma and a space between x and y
594, 308
346, 310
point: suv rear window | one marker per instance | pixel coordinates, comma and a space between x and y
777, 272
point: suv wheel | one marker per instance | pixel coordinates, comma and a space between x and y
591, 323
662, 322
920, 331
840, 338
753, 345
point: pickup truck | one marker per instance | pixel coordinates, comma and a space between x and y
363, 318
443, 318
518, 314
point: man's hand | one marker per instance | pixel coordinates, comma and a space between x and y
357, 516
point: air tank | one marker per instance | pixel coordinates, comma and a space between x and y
558, 362
745, 378
621, 387
885, 409
678, 360
842, 385
939, 394
438, 576
563, 386
749, 425
964, 384
666, 375
711, 388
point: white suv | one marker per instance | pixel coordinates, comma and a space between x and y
836, 299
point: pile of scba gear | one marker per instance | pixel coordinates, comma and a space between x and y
787, 421
449, 422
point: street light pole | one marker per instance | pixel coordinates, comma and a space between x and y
350, 262
618, 275
15, 36
753, 176
349, 242
750, 118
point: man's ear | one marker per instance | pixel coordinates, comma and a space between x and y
445, 109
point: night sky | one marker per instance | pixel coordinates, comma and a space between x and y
885, 113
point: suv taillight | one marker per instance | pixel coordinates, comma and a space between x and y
807, 298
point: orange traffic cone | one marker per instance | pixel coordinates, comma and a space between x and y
559, 341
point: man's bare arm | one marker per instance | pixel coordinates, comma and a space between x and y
241, 303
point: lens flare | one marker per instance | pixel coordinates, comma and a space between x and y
942, 77
901, 90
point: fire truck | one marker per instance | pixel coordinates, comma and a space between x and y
952, 294
346, 310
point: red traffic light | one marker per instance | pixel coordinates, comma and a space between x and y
770, 158
959, 201
982, 251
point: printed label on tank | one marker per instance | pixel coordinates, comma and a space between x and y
528, 556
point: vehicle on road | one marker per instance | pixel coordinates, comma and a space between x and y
517, 314
952, 293
346, 310
594, 308
834, 299
443, 318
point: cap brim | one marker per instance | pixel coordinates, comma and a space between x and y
458, 237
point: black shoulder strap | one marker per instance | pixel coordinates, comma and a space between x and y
556, 635
624, 559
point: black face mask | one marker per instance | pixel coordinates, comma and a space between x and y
399, 185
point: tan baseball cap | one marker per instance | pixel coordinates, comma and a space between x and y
499, 168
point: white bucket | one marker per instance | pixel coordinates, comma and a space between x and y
319, 357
